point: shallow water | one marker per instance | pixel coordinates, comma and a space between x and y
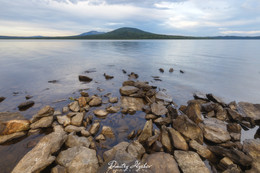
227, 68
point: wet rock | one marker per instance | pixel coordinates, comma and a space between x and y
147, 131
84, 94
100, 113
28, 97
181, 71
193, 111
74, 106
233, 169
128, 90
65, 109
107, 132
58, 169
150, 116
73, 141
25, 105
100, 137
215, 99
13, 126
113, 99
158, 109
163, 121
96, 101
235, 155
188, 128
161, 162
208, 107
113, 109
42, 123
165, 139
77, 119
78, 159
190, 161
171, 70
63, 120
250, 110
133, 76
161, 70
42, 152
252, 148
71, 128
107, 77
133, 103
177, 139
6, 138
123, 71
82, 102
85, 78
94, 128
215, 130
2, 99
202, 150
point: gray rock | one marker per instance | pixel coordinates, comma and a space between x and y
131, 102
161, 162
100, 113
215, 130
73, 141
96, 101
160, 95
44, 122
74, 106
42, 152
128, 90
6, 138
252, 148
190, 162
79, 159
94, 128
25, 105
63, 120
152, 140
177, 139
188, 128
147, 131
77, 119
215, 99
158, 109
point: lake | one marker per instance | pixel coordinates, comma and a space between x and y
227, 68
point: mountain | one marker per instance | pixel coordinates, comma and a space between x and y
128, 33
91, 33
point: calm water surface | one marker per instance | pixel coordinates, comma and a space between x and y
227, 68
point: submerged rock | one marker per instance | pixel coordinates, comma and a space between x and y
171, 70
136, 104
100, 113
158, 109
85, 78
73, 141
2, 99
41, 155
108, 76
6, 138
190, 161
25, 105
161, 70
107, 131
113, 99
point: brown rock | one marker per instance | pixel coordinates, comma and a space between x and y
44, 122
113, 99
252, 148
74, 106
77, 119
158, 109
108, 132
94, 128
147, 131
96, 101
203, 151
100, 113
193, 111
177, 139
82, 102
133, 103
13, 126
2, 99
84, 78
250, 110
128, 90
25, 105
165, 139
6, 138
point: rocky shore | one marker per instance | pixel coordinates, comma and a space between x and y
174, 138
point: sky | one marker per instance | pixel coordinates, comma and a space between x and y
173, 17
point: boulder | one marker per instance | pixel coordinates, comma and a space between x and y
162, 96
44, 122
202, 150
73, 141
215, 130
74, 106
188, 128
63, 120
128, 90
193, 111
190, 161
131, 102
77, 119
96, 101
177, 139
25, 105
85, 133
78, 159
235, 155
252, 148
107, 132
13, 126
6, 138
100, 113
249, 110
161, 162
41, 155
147, 131
85, 78
158, 109
94, 128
